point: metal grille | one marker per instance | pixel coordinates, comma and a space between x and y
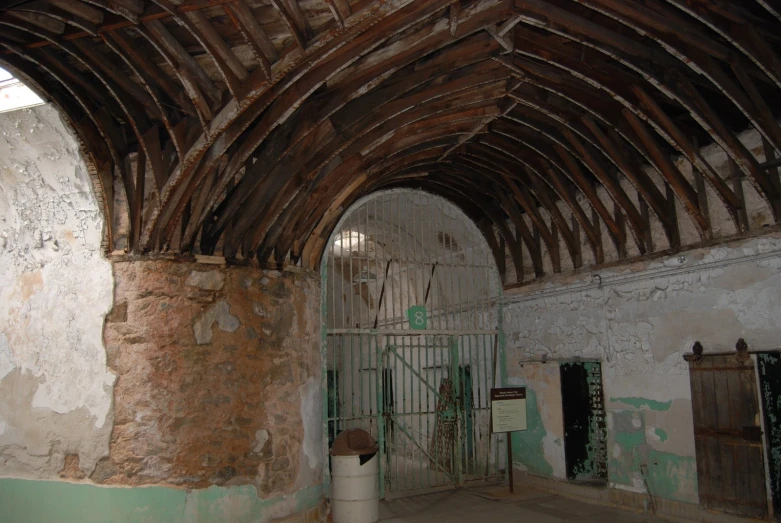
412, 341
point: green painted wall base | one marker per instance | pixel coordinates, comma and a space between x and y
25, 501
528, 444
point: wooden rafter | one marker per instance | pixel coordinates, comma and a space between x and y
253, 34
290, 13
519, 111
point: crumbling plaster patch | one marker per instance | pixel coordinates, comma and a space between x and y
55, 289
639, 323
545, 381
312, 447
219, 314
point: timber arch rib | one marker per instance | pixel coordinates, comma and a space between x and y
244, 128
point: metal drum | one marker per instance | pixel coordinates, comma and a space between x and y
355, 495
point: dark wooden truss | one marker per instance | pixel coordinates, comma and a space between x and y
245, 128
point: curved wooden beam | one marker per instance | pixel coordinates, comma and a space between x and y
526, 105
588, 33
346, 127
274, 104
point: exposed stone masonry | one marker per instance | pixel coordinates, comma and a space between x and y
212, 365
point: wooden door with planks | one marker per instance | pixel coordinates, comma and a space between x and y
728, 435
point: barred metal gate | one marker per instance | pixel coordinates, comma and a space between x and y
412, 344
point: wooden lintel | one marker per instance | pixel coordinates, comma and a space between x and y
621, 237
556, 251
599, 255
140, 176
502, 261
152, 145
577, 260
702, 197
770, 158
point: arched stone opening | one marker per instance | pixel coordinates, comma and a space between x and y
413, 340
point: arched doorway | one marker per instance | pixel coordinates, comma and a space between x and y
413, 340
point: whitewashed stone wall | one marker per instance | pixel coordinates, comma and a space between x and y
639, 320
55, 289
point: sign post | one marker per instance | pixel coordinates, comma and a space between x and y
508, 414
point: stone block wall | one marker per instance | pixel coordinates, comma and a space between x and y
219, 377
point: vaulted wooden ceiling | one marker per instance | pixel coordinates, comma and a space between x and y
246, 127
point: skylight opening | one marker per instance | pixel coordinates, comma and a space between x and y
15, 95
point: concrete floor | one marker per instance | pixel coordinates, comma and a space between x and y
495, 504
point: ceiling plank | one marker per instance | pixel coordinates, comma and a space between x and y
219, 50
639, 179
80, 9
336, 12
253, 34
152, 70
455, 11
298, 25
611, 185
183, 60
690, 151
747, 163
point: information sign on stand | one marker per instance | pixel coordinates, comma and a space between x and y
508, 414
508, 409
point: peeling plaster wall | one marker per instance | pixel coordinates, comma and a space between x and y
541, 448
639, 323
198, 385
55, 288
